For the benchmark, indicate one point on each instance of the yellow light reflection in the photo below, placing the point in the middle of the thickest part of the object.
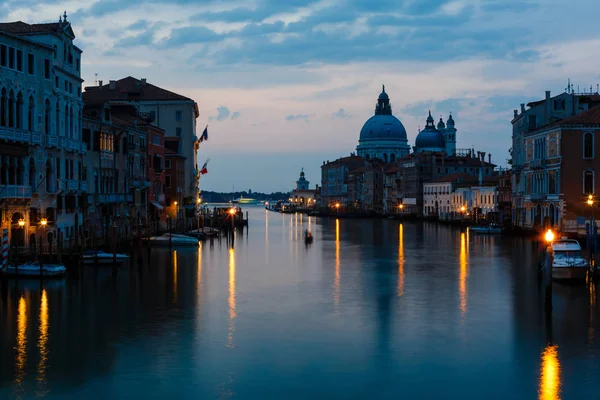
(199, 277)
(336, 282)
(592, 309)
(550, 374)
(175, 277)
(231, 299)
(462, 285)
(21, 358)
(400, 260)
(43, 339)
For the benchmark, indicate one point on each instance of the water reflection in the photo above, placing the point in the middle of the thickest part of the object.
(400, 290)
(550, 374)
(336, 282)
(174, 276)
(592, 308)
(43, 343)
(21, 359)
(231, 299)
(463, 273)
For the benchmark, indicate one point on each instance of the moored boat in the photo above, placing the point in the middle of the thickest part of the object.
(489, 229)
(100, 257)
(308, 237)
(173, 239)
(567, 261)
(32, 270)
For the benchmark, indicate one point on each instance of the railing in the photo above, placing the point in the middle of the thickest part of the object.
(63, 142)
(15, 135)
(537, 197)
(72, 184)
(51, 141)
(62, 185)
(83, 186)
(537, 164)
(73, 145)
(15, 192)
(114, 198)
(36, 138)
(83, 147)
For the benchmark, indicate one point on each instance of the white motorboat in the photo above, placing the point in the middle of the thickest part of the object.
(32, 270)
(100, 257)
(567, 261)
(173, 239)
(489, 229)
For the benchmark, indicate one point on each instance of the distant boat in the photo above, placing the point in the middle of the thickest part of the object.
(100, 257)
(567, 262)
(490, 229)
(247, 200)
(174, 240)
(32, 270)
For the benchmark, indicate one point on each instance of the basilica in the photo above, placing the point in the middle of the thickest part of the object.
(383, 136)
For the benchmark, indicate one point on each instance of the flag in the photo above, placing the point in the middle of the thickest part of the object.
(204, 135)
(204, 170)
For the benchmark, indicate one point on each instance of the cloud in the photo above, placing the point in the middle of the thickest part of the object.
(341, 113)
(191, 34)
(297, 117)
(138, 25)
(223, 113)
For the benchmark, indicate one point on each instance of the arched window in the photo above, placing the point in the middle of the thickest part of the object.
(47, 117)
(30, 114)
(3, 108)
(57, 119)
(71, 129)
(588, 182)
(385, 157)
(392, 157)
(11, 109)
(588, 145)
(66, 120)
(19, 113)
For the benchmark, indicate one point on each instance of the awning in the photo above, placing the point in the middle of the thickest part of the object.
(158, 206)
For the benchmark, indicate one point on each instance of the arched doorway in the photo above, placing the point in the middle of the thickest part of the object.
(17, 232)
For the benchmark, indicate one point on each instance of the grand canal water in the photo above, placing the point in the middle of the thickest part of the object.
(371, 309)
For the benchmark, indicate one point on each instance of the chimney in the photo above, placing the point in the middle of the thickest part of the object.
(516, 112)
(99, 83)
(547, 95)
(522, 107)
(143, 81)
(112, 85)
(490, 158)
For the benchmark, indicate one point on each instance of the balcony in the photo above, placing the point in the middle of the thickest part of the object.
(51, 141)
(83, 186)
(83, 147)
(114, 198)
(15, 192)
(537, 164)
(15, 135)
(535, 197)
(36, 138)
(73, 145)
(62, 185)
(63, 142)
(131, 145)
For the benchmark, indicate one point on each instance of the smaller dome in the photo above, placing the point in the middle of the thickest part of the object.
(441, 125)
(383, 96)
(430, 119)
(450, 121)
(430, 139)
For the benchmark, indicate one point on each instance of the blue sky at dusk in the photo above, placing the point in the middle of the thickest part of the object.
(288, 84)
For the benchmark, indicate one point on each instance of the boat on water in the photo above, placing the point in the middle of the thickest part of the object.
(173, 239)
(567, 261)
(32, 270)
(100, 257)
(308, 237)
(246, 200)
(489, 229)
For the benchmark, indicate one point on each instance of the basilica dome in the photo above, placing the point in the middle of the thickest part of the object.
(430, 139)
(383, 136)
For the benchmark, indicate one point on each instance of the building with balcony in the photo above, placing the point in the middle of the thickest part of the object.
(175, 114)
(174, 179)
(155, 175)
(333, 179)
(559, 173)
(533, 149)
(41, 152)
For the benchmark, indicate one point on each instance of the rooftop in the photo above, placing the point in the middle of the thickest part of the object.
(130, 88)
(22, 28)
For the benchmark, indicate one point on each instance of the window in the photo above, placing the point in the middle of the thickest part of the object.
(19, 61)
(178, 132)
(30, 64)
(77, 65)
(55, 51)
(11, 58)
(167, 164)
(168, 181)
(56, 83)
(588, 145)
(70, 87)
(142, 167)
(46, 68)
(588, 182)
(3, 60)
(178, 115)
(142, 141)
(532, 122)
(559, 104)
(66, 86)
(156, 140)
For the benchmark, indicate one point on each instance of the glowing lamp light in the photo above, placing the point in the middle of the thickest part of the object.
(232, 211)
(549, 236)
(199, 200)
(175, 203)
(463, 209)
(21, 222)
(401, 206)
(337, 205)
(44, 222)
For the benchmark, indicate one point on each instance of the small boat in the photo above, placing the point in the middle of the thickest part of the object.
(100, 257)
(173, 239)
(567, 262)
(308, 237)
(490, 229)
(32, 270)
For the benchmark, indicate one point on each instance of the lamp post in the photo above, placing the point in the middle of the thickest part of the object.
(176, 215)
(337, 207)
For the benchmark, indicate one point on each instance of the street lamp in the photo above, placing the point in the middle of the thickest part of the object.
(549, 236)
(21, 222)
(44, 222)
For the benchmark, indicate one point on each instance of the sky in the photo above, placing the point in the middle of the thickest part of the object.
(285, 85)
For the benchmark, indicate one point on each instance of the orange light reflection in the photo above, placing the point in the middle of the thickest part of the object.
(550, 374)
(463, 273)
(231, 299)
(336, 282)
(400, 260)
(21, 359)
